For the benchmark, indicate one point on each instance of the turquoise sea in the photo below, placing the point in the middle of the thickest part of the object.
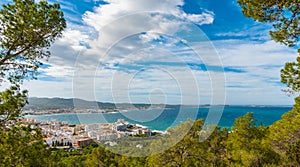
(157, 119)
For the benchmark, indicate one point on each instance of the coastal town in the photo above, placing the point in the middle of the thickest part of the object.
(66, 136)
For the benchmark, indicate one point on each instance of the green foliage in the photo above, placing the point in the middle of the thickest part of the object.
(284, 16)
(22, 145)
(290, 75)
(27, 30)
(247, 144)
(283, 135)
(286, 131)
(101, 157)
(12, 101)
(190, 151)
(293, 154)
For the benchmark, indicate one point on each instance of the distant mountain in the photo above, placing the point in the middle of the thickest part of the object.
(66, 105)
(60, 103)
(47, 103)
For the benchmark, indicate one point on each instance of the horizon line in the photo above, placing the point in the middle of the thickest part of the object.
(257, 105)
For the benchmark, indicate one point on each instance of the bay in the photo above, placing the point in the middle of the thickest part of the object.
(158, 119)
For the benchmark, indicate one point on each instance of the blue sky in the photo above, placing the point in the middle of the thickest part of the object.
(163, 51)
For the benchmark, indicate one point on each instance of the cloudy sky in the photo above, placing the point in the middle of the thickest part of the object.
(163, 51)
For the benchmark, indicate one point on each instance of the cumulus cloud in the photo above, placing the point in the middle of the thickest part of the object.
(116, 9)
(119, 20)
(130, 50)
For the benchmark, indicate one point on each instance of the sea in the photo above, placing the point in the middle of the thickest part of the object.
(161, 119)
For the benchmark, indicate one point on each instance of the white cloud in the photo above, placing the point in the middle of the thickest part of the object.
(204, 18)
(64, 72)
(249, 53)
(116, 9)
(255, 32)
(103, 66)
(38, 88)
(117, 21)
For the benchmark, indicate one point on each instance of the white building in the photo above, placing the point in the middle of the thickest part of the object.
(107, 136)
(92, 127)
(63, 140)
(119, 127)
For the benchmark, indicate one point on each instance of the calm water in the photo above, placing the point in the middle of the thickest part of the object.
(161, 120)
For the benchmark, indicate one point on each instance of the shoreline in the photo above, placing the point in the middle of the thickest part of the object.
(87, 111)
(69, 113)
(114, 111)
(84, 124)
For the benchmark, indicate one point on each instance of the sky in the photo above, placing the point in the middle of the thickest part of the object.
(163, 51)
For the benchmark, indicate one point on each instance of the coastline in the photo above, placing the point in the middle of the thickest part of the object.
(167, 118)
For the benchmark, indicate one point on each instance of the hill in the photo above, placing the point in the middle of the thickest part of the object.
(38, 104)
